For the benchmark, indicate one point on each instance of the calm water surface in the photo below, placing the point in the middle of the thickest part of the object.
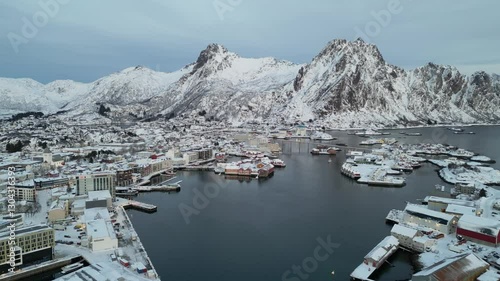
(258, 230)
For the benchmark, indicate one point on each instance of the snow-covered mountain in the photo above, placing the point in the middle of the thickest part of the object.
(349, 82)
(22, 95)
(346, 84)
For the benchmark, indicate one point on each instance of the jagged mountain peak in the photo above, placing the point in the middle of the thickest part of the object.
(343, 47)
(214, 55)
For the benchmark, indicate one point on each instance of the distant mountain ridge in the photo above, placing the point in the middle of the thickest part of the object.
(347, 84)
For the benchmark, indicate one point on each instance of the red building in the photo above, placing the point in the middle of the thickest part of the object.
(479, 230)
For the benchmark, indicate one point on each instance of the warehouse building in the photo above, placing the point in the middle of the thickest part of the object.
(419, 215)
(480, 230)
(465, 267)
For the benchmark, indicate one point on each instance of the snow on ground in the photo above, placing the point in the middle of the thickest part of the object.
(103, 257)
(133, 251)
(40, 217)
(484, 175)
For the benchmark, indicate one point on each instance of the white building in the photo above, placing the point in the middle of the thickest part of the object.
(96, 182)
(404, 235)
(190, 157)
(422, 243)
(52, 160)
(101, 235)
(421, 216)
(78, 207)
(100, 232)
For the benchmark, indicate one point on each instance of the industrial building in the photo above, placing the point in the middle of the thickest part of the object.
(419, 215)
(465, 267)
(439, 204)
(100, 232)
(99, 199)
(480, 230)
(32, 244)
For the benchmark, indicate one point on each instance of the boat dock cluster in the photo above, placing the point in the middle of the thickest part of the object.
(461, 227)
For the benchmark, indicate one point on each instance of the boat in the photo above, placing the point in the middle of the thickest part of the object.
(387, 181)
(349, 169)
(71, 267)
(219, 170)
(323, 151)
(402, 166)
(125, 191)
(278, 163)
(368, 133)
(321, 136)
(371, 142)
(411, 134)
(354, 153)
(456, 129)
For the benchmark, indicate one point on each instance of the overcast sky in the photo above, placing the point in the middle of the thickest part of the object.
(85, 40)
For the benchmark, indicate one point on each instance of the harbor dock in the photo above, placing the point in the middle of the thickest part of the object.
(151, 188)
(394, 216)
(149, 265)
(131, 204)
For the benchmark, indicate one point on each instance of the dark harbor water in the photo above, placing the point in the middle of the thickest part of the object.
(260, 229)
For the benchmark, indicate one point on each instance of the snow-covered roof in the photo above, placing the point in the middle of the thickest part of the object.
(417, 209)
(382, 248)
(99, 195)
(455, 268)
(100, 229)
(449, 201)
(482, 225)
(59, 204)
(96, 214)
(78, 204)
(463, 210)
(403, 231)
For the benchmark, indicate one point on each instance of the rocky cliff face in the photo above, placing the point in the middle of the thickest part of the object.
(346, 84)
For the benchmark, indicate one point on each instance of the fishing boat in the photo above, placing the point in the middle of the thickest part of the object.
(71, 267)
(125, 192)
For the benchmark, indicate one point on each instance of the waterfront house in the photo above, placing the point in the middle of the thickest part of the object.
(404, 235)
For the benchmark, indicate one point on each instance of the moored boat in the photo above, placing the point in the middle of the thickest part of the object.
(71, 267)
